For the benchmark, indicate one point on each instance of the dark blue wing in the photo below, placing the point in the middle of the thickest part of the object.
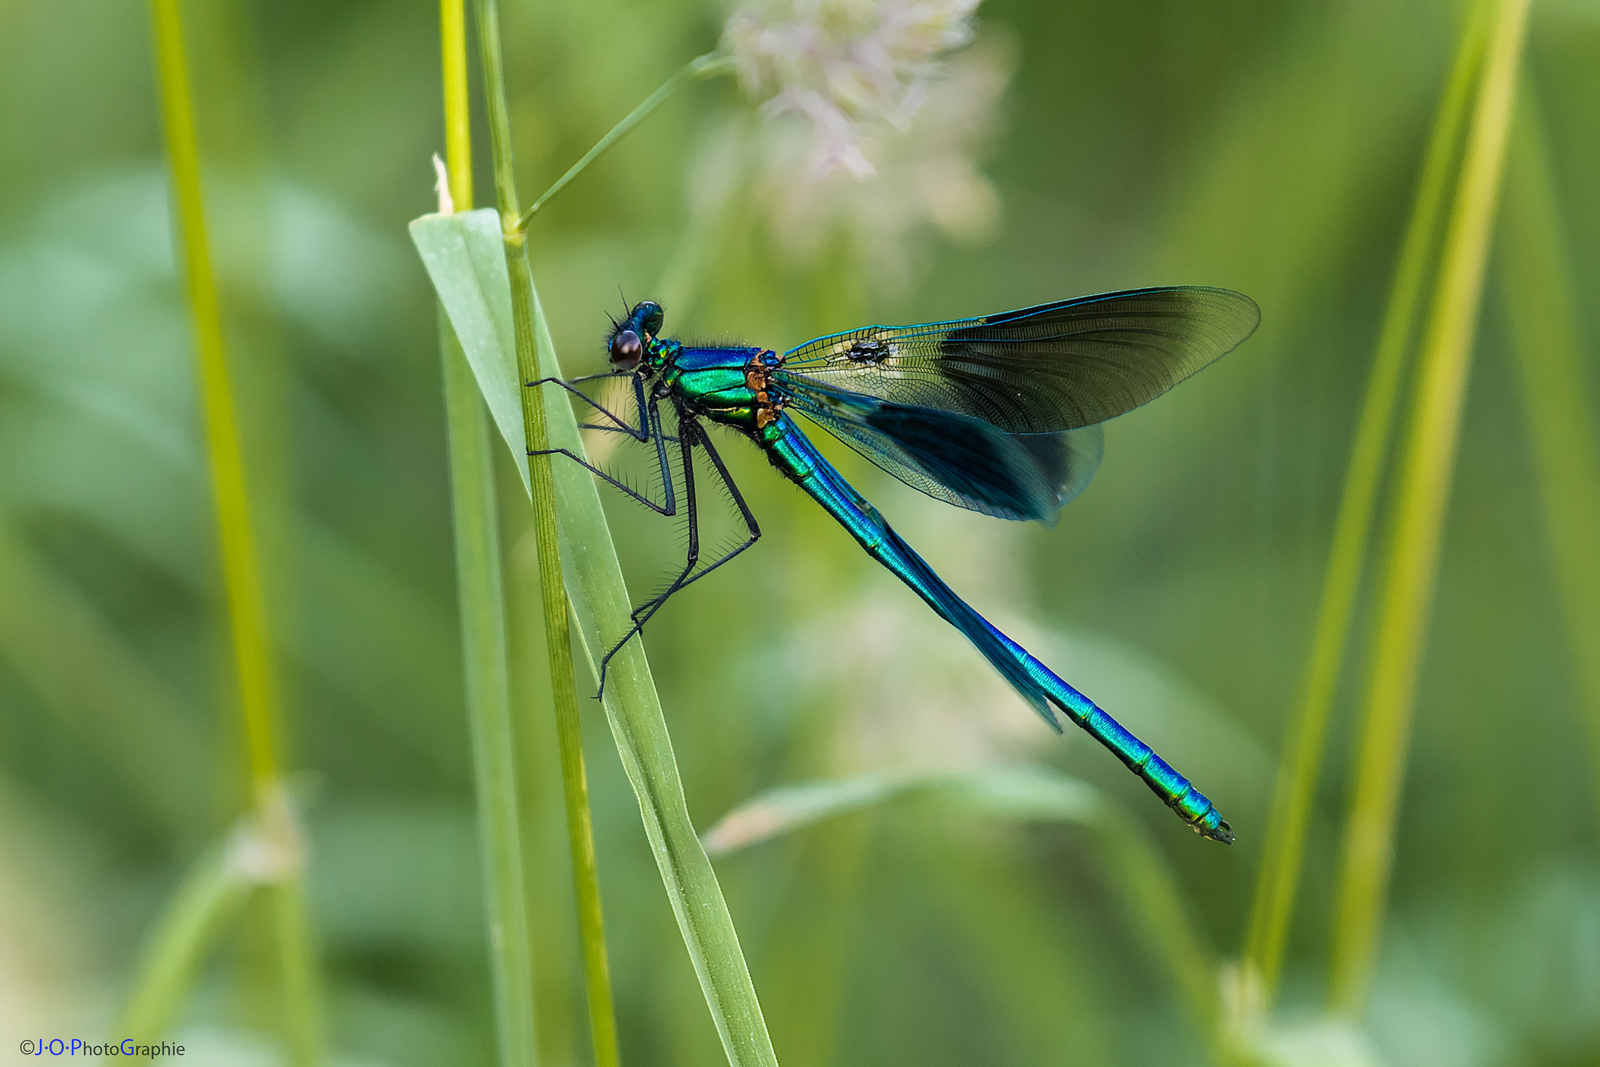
(1039, 370)
(956, 458)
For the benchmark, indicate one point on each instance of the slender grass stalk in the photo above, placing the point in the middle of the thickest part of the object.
(706, 66)
(1422, 495)
(1279, 876)
(553, 594)
(1537, 284)
(241, 574)
(457, 106)
(480, 594)
(231, 498)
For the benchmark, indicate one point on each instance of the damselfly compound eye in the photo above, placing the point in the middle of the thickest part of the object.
(626, 351)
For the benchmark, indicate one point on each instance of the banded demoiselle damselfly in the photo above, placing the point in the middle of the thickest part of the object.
(1001, 414)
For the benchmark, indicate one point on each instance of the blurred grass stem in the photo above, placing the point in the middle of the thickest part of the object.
(1422, 496)
(553, 594)
(1142, 884)
(483, 641)
(231, 498)
(1299, 770)
(706, 66)
(481, 598)
(1536, 281)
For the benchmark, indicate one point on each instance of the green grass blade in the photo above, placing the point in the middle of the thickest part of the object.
(787, 809)
(1139, 877)
(483, 647)
(601, 606)
(1422, 495)
(529, 321)
(231, 499)
(1304, 742)
(1537, 284)
(481, 596)
(552, 590)
(455, 250)
(464, 260)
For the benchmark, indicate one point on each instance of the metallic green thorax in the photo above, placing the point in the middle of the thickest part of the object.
(726, 385)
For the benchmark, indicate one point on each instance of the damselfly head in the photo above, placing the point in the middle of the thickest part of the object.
(628, 339)
(645, 319)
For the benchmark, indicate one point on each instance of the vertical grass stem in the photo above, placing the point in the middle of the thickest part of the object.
(480, 594)
(241, 574)
(1279, 876)
(558, 634)
(231, 499)
(1537, 284)
(1422, 496)
(211, 892)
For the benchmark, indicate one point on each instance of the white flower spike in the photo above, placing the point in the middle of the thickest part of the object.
(844, 65)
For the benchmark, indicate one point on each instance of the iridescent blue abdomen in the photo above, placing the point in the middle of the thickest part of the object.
(793, 453)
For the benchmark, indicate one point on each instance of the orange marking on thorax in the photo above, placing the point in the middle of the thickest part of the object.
(757, 378)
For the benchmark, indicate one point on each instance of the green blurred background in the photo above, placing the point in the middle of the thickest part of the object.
(1267, 147)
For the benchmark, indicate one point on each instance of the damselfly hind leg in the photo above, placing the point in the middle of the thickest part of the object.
(752, 528)
(691, 435)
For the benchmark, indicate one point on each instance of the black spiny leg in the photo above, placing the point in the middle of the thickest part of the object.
(753, 530)
(649, 427)
(641, 433)
(687, 432)
(668, 438)
(690, 433)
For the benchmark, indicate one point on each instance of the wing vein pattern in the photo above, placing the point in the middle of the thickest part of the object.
(1039, 370)
(1000, 414)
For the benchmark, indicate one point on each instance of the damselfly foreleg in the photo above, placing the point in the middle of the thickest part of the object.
(638, 433)
(650, 429)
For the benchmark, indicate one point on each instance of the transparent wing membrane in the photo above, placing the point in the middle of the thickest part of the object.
(1040, 370)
